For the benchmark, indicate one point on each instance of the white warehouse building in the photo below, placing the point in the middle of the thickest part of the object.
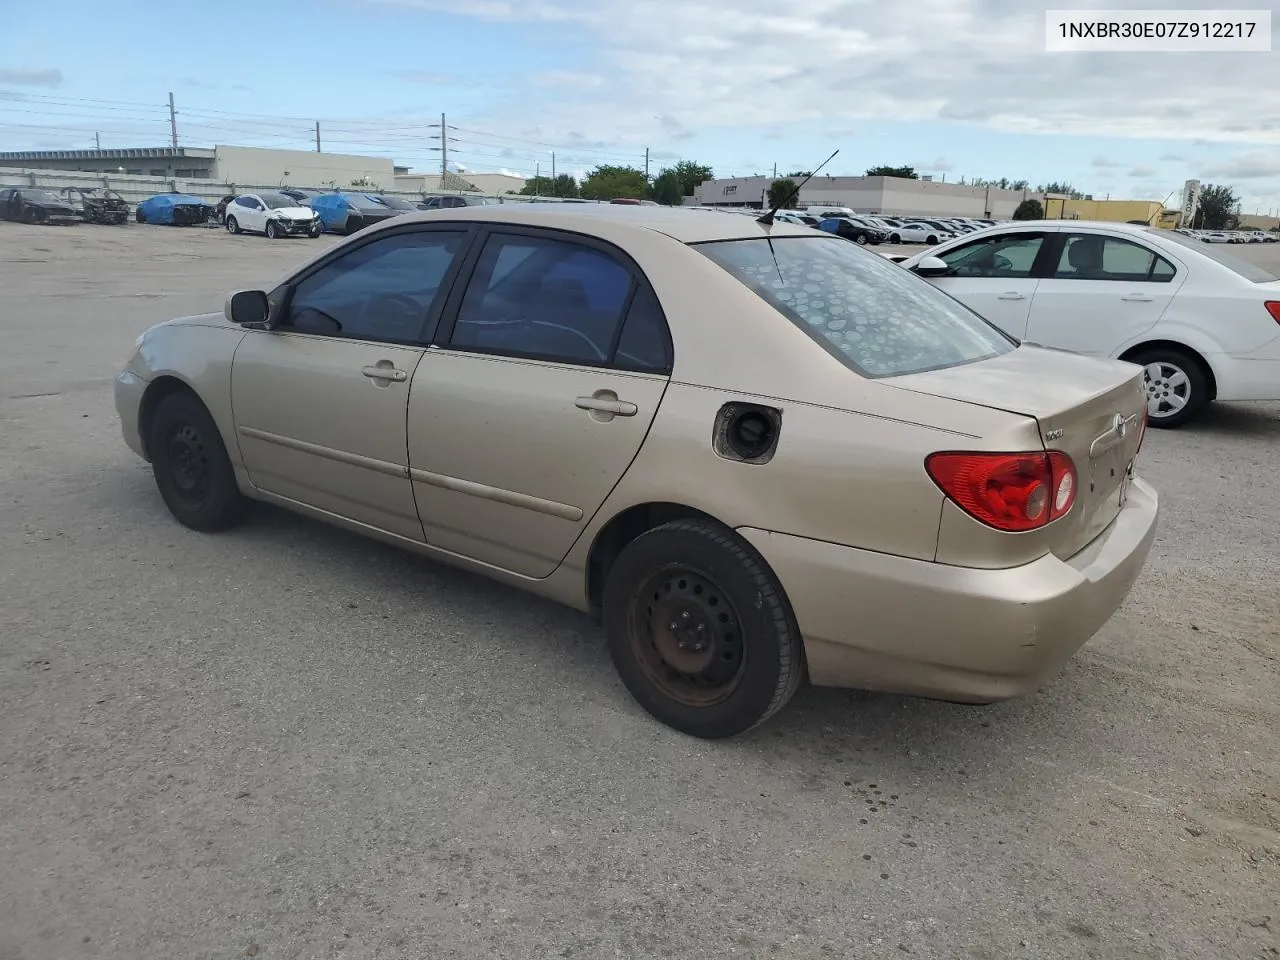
(227, 165)
(877, 195)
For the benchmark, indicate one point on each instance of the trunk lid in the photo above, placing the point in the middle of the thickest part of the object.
(1091, 409)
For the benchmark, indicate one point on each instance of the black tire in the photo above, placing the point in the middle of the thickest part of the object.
(860, 239)
(191, 466)
(744, 656)
(314, 233)
(353, 225)
(233, 225)
(1162, 367)
(140, 216)
(895, 238)
(931, 240)
(272, 231)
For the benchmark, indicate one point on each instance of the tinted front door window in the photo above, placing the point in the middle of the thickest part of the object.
(384, 290)
(1007, 255)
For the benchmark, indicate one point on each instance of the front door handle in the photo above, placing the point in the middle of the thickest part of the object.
(618, 408)
(384, 371)
(1137, 298)
(1011, 295)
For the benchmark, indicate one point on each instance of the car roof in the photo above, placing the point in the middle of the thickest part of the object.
(687, 226)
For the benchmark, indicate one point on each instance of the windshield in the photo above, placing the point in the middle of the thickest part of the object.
(40, 196)
(1250, 271)
(877, 318)
(275, 201)
(395, 203)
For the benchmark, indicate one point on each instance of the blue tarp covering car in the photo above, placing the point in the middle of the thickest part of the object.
(349, 212)
(176, 209)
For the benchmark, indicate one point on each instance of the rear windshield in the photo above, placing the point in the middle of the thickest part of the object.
(876, 317)
(1250, 271)
(362, 202)
(395, 203)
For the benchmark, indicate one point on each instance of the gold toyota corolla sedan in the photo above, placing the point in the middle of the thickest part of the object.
(754, 451)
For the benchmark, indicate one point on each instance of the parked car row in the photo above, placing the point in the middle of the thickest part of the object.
(1232, 236)
(305, 211)
(70, 205)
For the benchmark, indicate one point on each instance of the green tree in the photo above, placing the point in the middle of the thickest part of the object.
(667, 188)
(1029, 209)
(783, 194)
(1065, 189)
(1217, 210)
(562, 186)
(690, 174)
(906, 173)
(607, 182)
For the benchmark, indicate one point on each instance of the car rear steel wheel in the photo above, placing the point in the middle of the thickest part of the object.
(191, 466)
(699, 629)
(1177, 389)
(232, 225)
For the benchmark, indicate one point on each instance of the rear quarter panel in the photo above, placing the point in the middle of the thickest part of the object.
(844, 477)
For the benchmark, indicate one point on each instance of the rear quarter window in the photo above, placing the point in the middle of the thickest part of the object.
(874, 316)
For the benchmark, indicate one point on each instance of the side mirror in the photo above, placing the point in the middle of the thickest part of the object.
(247, 307)
(931, 267)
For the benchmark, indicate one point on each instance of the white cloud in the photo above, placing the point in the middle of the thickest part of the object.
(975, 62)
(1255, 165)
(41, 77)
(1142, 172)
(1104, 163)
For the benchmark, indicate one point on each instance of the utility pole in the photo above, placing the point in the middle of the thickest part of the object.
(444, 139)
(553, 165)
(646, 165)
(317, 136)
(97, 139)
(173, 123)
(775, 171)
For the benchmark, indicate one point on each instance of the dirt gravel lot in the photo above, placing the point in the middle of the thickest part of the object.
(288, 742)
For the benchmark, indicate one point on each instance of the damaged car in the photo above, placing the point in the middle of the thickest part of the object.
(174, 209)
(29, 205)
(104, 206)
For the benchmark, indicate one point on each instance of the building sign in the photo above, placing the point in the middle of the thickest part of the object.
(1190, 201)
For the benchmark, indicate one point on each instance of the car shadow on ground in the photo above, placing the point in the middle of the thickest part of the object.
(1237, 419)
(847, 720)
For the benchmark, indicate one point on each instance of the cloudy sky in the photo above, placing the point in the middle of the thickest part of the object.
(961, 88)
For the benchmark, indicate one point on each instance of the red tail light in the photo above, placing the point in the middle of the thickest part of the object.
(1273, 308)
(1008, 491)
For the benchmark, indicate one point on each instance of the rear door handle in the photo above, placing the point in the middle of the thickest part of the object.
(1011, 295)
(376, 372)
(619, 408)
(1137, 298)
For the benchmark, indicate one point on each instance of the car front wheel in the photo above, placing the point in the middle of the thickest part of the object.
(191, 466)
(860, 239)
(273, 231)
(1177, 388)
(700, 631)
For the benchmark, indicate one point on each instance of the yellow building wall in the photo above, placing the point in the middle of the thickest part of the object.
(1116, 211)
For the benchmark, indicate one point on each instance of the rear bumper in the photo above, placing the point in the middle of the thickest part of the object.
(1248, 378)
(881, 622)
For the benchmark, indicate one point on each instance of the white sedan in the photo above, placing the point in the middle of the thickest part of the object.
(273, 214)
(917, 233)
(1203, 323)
